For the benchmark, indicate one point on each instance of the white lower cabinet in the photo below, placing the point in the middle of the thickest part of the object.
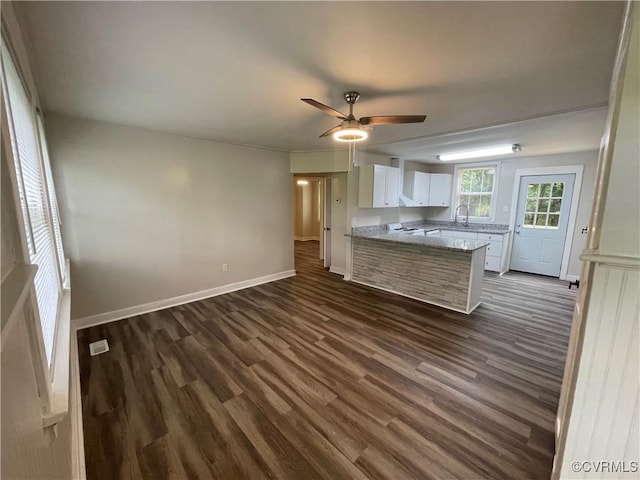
(496, 257)
(496, 253)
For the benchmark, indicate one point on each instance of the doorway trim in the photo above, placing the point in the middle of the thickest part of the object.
(578, 170)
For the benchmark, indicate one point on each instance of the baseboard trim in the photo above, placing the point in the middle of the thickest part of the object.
(86, 322)
(78, 467)
(306, 239)
(337, 270)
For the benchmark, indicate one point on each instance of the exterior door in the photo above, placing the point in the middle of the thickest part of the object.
(542, 218)
(326, 226)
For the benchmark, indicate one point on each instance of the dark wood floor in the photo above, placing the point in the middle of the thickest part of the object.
(314, 377)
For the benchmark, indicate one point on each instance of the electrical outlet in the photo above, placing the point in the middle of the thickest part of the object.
(225, 267)
(354, 222)
(505, 209)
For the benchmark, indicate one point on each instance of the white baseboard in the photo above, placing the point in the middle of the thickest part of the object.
(107, 317)
(337, 270)
(571, 278)
(78, 469)
(306, 239)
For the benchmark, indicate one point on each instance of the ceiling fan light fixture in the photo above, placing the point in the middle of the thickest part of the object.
(350, 135)
(482, 152)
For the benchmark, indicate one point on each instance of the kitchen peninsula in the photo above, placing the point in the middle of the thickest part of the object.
(420, 264)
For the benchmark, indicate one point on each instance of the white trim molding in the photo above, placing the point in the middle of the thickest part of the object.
(337, 270)
(622, 261)
(577, 170)
(307, 238)
(78, 468)
(107, 317)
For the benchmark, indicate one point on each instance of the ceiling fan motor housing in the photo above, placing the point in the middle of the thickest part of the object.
(351, 97)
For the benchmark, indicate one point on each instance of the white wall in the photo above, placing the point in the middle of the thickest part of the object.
(149, 216)
(319, 162)
(505, 190)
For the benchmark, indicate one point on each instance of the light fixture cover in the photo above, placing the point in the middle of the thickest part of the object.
(482, 152)
(302, 182)
(350, 135)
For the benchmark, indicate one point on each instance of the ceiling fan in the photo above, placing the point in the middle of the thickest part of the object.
(350, 130)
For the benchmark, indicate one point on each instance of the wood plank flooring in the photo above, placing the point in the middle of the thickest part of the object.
(313, 377)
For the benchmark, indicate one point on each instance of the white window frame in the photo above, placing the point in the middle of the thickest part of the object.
(457, 178)
(52, 376)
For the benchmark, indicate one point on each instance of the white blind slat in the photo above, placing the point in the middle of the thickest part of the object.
(33, 199)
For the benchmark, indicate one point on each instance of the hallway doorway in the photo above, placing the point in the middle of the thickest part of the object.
(312, 220)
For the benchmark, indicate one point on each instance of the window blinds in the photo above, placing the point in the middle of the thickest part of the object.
(33, 199)
(53, 202)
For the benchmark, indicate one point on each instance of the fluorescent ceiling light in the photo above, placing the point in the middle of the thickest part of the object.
(483, 152)
(302, 182)
(350, 135)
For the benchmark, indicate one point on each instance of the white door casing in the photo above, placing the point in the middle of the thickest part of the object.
(578, 170)
(542, 219)
(326, 224)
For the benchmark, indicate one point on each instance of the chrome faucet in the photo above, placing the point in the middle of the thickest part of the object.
(455, 215)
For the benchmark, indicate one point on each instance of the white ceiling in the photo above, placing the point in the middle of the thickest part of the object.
(235, 71)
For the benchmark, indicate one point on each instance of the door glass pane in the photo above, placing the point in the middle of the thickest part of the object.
(528, 219)
(543, 206)
(539, 202)
(558, 188)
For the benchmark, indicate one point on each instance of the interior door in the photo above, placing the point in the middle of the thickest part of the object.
(542, 217)
(326, 230)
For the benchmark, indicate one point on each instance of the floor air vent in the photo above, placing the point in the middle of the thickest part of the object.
(96, 348)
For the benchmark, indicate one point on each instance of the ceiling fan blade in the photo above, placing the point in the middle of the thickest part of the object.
(392, 119)
(324, 108)
(330, 131)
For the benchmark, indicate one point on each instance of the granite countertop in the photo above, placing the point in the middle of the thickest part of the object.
(458, 244)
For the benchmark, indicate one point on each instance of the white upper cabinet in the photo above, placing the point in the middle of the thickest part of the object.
(416, 187)
(378, 186)
(440, 189)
